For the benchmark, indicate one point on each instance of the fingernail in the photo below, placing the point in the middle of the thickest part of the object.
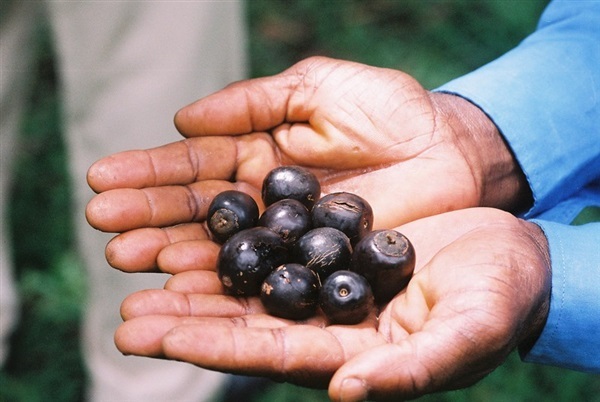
(353, 389)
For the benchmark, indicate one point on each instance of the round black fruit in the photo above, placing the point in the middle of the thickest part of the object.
(246, 259)
(293, 182)
(289, 218)
(346, 298)
(387, 259)
(230, 212)
(324, 250)
(347, 212)
(291, 291)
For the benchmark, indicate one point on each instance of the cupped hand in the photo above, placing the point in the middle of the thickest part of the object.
(481, 288)
(371, 131)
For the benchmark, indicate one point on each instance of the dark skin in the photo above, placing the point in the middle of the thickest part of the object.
(433, 166)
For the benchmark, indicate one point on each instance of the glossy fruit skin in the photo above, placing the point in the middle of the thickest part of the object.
(293, 182)
(246, 259)
(291, 291)
(347, 212)
(346, 298)
(387, 259)
(230, 212)
(324, 250)
(289, 218)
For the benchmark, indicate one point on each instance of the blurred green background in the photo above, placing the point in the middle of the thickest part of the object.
(433, 40)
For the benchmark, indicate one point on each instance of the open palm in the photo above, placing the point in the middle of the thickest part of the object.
(481, 287)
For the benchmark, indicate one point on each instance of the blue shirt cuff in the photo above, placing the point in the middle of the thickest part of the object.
(571, 337)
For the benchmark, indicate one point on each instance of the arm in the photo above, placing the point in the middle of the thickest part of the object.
(554, 133)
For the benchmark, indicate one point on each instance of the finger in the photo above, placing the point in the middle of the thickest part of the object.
(143, 335)
(168, 302)
(357, 379)
(246, 158)
(430, 351)
(307, 94)
(120, 210)
(303, 354)
(181, 162)
(190, 282)
(265, 103)
(242, 107)
(424, 362)
(138, 250)
(188, 255)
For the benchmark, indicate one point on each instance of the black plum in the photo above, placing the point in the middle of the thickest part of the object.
(246, 259)
(291, 182)
(387, 259)
(291, 291)
(230, 212)
(347, 212)
(346, 298)
(324, 250)
(289, 218)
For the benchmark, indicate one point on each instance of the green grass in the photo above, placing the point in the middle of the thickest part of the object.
(45, 361)
(433, 40)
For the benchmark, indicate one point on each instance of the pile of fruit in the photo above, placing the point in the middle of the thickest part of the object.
(305, 252)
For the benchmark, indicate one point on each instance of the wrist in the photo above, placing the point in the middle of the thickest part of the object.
(498, 177)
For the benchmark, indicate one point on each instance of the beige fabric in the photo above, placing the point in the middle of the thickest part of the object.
(125, 68)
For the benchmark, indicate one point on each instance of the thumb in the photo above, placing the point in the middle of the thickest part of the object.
(400, 371)
(248, 106)
(240, 108)
(387, 371)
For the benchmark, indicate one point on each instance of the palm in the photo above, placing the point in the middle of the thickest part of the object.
(374, 132)
(476, 283)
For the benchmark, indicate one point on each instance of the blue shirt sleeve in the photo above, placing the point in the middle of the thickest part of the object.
(571, 336)
(544, 97)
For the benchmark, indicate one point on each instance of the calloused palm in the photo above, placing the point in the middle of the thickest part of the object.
(371, 131)
(481, 288)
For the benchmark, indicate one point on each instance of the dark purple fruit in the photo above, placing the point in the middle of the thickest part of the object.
(293, 182)
(324, 250)
(230, 212)
(246, 259)
(291, 291)
(387, 259)
(347, 212)
(289, 218)
(346, 298)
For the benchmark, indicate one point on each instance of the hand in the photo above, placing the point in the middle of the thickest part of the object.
(481, 288)
(375, 132)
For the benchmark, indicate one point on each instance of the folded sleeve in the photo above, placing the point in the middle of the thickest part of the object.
(571, 336)
(544, 97)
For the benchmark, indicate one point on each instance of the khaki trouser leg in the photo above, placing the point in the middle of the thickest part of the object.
(126, 67)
